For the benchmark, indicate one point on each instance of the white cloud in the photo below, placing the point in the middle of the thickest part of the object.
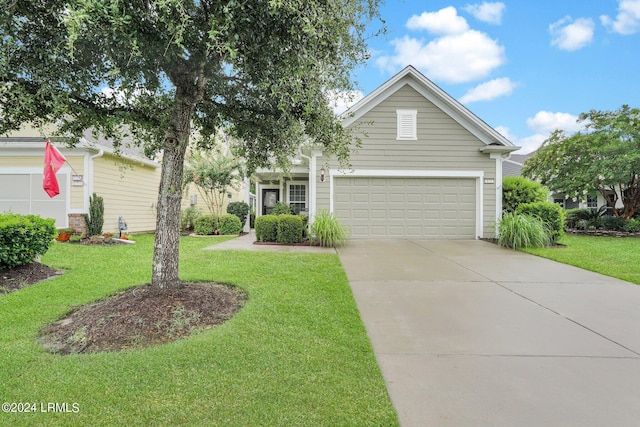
(341, 101)
(543, 123)
(489, 90)
(569, 35)
(487, 12)
(444, 21)
(458, 58)
(546, 122)
(628, 19)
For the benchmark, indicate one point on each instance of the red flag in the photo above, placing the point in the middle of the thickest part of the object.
(53, 161)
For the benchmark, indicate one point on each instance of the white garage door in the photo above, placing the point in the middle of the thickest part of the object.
(423, 208)
(23, 194)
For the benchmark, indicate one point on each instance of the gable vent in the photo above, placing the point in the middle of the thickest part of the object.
(407, 124)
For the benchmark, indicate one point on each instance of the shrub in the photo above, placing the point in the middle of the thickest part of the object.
(282, 209)
(327, 230)
(632, 225)
(188, 218)
(517, 190)
(95, 219)
(523, 231)
(239, 209)
(305, 226)
(267, 228)
(289, 229)
(613, 223)
(230, 224)
(550, 213)
(252, 220)
(23, 238)
(585, 218)
(206, 224)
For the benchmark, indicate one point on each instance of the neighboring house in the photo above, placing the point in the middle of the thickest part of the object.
(127, 182)
(427, 168)
(513, 167)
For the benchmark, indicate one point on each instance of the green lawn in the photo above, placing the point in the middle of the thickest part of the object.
(297, 353)
(612, 256)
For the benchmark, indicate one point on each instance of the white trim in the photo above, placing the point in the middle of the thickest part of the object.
(395, 173)
(500, 158)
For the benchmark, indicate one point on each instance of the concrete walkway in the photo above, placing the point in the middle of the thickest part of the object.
(470, 334)
(245, 243)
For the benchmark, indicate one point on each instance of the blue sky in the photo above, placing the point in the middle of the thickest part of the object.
(524, 67)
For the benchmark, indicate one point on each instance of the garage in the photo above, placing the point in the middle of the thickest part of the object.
(22, 193)
(399, 207)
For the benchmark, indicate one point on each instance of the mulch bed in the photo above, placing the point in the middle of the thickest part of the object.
(12, 279)
(141, 317)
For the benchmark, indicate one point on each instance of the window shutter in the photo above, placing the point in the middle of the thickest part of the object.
(407, 124)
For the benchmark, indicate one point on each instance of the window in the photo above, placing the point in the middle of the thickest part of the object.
(298, 197)
(407, 124)
(592, 201)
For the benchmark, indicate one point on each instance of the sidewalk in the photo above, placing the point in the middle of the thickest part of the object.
(245, 243)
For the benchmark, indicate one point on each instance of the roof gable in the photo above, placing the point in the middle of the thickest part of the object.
(413, 78)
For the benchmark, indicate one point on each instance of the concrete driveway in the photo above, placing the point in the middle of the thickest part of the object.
(470, 334)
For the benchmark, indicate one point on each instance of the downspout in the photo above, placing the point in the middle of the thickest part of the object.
(499, 157)
(312, 185)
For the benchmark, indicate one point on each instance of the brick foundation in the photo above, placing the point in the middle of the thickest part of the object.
(76, 221)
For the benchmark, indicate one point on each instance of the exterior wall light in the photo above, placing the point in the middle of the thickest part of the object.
(322, 174)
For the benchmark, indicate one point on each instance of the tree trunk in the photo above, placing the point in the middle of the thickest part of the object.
(166, 248)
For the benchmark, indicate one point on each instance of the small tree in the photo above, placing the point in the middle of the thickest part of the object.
(213, 175)
(95, 219)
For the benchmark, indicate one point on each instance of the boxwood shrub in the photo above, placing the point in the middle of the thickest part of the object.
(206, 224)
(266, 228)
(23, 238)
(289, 228)
(550, 213)
(230, 224)
(517, 190)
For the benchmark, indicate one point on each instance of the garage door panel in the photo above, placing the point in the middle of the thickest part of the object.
(442, 208)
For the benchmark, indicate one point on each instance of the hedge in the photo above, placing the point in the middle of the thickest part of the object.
(289, 228)
(229, 224)
(551, 214)
(23, 238)
(266, 228)
(517, 190)
(206, 224)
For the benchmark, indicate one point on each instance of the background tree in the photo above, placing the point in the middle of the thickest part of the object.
(156, 70)
(214, 175)
(605, 158)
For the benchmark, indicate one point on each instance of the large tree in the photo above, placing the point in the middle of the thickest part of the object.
(159, 70)
(604, 158)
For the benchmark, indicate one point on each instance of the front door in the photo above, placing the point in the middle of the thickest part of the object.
(269, 199)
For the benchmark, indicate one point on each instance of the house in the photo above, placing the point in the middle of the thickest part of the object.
(428, 168)
(126, 180)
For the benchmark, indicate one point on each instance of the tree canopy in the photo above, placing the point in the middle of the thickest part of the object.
(603, 158)
(160, 70)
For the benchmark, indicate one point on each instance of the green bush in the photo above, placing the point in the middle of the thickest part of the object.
(95, 219)
(550, 213)
(23, 238)
(188, 218)
(632, 225)
(613, 223)
(289, 229)
(282, 209)
(239, 209)
(585, 217)
(252, 220)
(230, 224)
(327, 230)
(206, 225)
(517, 190)
(267, 228)
(523, 231)
(305, 226)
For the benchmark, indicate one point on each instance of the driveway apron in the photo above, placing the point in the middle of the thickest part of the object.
(470, 334)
